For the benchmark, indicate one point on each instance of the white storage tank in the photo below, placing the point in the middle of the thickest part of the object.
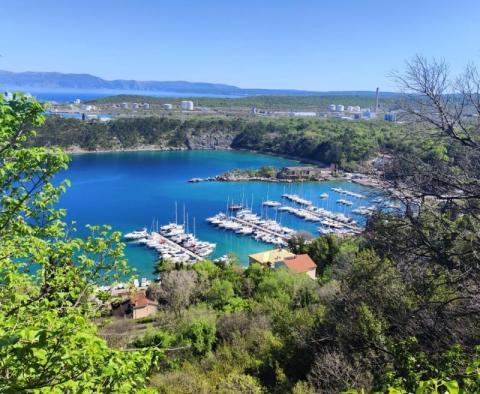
(187, 105)
(167, 106)
(340, 108)
(332, 107)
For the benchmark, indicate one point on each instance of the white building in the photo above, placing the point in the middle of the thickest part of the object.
(89, 107)
(187, 105)
(356, 108)
(307, 114)
(167, 106)
(332, 107)
(124, 105)
(350, 108)
(146, 106)
(340, 108)
(77, 101)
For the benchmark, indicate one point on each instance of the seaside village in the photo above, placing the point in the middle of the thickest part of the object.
(176, 243)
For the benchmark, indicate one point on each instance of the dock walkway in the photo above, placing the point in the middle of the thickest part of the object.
(256, 226)
(157, 236)
(352, 227)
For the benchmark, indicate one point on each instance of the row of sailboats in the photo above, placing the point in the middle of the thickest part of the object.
(173, 241)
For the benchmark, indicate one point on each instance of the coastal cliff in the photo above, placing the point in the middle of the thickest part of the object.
(216, 140)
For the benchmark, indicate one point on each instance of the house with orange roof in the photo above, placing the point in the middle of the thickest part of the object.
(136, 306)
(300, 263)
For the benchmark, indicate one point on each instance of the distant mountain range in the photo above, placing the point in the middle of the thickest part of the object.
(55, 80)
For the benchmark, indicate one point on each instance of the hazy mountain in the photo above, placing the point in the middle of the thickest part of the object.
(55, 80)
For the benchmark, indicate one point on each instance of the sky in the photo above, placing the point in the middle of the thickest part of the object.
(287, 44)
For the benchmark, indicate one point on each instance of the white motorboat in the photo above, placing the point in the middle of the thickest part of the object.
(136, 234)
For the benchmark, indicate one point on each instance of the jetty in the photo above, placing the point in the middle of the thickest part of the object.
(247, 223)
(297, 199)
(326, 218)
(160, 237)
(257, 227)
(173, 243)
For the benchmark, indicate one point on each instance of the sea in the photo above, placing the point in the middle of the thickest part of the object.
(135, 190)
(69, 95)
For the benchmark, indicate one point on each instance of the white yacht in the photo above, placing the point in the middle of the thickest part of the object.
(271, 203)
(136, 234)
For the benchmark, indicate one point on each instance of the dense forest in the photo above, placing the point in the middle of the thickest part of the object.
(341, 142)
(393, 310)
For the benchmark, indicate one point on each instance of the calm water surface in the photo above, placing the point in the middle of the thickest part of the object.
(130, 190)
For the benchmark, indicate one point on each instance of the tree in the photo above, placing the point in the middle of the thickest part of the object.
(48, 342)
(201, 334)
(221, 292)
(177, 289)
(239, 384)
(298, 243)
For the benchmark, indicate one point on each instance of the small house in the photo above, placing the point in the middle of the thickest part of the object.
(135, 306)
(302, 172)
(299, 264)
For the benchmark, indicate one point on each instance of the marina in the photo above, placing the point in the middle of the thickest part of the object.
(330, 221)
(127, 189)
(297, 199)
(173, 243)
(245, 222)
(347, 192)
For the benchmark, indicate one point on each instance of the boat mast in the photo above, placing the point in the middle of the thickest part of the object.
(176, 212)
(184, 216)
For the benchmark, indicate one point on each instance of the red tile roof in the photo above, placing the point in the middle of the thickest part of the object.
(300, 263)
(140, 300)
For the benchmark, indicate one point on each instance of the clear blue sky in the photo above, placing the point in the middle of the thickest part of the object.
(299, 44)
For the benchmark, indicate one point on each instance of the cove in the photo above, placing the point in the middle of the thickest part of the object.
(128, 190)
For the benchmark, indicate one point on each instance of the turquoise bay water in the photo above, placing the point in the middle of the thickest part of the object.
(130, 189)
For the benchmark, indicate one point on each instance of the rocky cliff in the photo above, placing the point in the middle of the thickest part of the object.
(214, 140)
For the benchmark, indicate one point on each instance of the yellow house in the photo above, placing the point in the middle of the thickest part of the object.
(270, 257)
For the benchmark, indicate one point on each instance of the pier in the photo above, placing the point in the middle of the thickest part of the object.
(160, 237)
(320, 216)
(257, 227)
(247, 223)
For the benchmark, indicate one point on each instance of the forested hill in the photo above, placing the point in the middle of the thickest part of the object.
(329, 141)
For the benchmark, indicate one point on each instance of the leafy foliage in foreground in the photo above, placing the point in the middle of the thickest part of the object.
(48, 342)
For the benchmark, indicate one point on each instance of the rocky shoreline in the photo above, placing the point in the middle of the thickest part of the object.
(145, 148)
